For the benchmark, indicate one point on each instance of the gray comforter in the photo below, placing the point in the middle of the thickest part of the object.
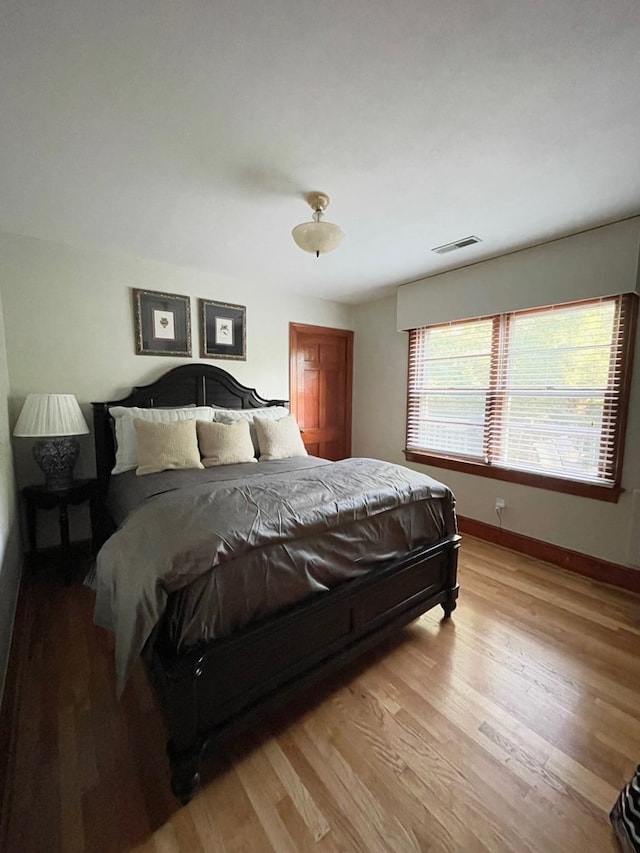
(215, 552)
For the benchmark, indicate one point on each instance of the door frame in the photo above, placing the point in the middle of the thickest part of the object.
(301, 328)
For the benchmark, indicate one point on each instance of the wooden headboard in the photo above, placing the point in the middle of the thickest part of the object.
(199, 384)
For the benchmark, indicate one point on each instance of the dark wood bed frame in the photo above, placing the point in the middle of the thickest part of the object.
(207, 692)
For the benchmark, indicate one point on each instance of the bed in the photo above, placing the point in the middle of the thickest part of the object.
(356, 568)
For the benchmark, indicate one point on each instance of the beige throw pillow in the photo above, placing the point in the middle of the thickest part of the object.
(225, 444)
(126, 442)
(165, 446)
(279, 439)
(230, 416)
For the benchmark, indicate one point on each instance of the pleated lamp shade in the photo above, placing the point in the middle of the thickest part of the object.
(50, 415)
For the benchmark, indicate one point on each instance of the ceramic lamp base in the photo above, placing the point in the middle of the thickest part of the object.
(57, 457)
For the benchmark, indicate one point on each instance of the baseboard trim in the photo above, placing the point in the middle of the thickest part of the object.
(573, 561)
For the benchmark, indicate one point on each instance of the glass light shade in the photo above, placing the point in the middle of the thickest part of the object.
(50, 415)
(318, 237)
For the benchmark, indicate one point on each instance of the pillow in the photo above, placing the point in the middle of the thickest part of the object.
(165, 446)
(225, 444)
(279, 439)
(229, 416)
(123, 416)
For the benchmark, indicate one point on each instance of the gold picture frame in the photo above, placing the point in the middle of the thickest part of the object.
(223, 330)
(162, 323)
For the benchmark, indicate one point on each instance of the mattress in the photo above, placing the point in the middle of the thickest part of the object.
(211, 551)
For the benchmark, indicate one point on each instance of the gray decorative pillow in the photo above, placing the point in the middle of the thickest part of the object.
(225, 444)
(279, 439)
(166, 446)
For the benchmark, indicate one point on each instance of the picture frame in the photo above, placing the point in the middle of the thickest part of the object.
(223, 330)
(162, 323)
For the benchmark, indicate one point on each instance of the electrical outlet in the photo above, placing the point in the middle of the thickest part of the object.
(500, 504)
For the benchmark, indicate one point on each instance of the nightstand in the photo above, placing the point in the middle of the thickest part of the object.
(39, 497)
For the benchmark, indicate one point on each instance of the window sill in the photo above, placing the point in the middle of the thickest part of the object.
(539, 481)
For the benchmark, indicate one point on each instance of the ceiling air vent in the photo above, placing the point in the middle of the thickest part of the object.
(459, 244)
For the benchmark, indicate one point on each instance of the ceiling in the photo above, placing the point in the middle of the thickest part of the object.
(189, 131)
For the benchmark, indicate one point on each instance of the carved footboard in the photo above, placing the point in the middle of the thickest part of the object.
(208, 692)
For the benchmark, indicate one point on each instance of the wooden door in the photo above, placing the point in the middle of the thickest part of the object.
(320, 379)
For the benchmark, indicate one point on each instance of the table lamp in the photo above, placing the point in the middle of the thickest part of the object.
(55, 419)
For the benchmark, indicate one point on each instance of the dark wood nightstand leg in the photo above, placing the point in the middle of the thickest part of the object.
(31, 527)
(64, 541)
(64, 529)
(93, 516)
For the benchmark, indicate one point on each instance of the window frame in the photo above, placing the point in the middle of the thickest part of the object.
(580, 488)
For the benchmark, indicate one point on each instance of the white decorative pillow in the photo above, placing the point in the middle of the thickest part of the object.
(166, 446)
(123, 416)
(229, 416)
(279, 439)
(225, 444)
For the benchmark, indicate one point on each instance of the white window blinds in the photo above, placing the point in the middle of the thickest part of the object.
(536, 391)
(449, 383)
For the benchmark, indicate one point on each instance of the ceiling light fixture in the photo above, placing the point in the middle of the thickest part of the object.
(317, 236)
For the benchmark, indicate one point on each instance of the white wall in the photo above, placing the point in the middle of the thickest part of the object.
(604, 530)
(599, 262)
(69, 328)
(10, 554)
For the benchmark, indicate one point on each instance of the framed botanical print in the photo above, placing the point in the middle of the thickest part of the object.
(222, 330)
(162, 323)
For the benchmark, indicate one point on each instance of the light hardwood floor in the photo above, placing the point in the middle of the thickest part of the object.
(510, 728)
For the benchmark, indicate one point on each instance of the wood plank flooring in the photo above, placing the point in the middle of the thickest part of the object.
(510, 728)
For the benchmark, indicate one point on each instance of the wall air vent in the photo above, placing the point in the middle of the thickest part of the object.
(459, 244)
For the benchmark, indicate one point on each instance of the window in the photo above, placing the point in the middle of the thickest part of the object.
(538, 397)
